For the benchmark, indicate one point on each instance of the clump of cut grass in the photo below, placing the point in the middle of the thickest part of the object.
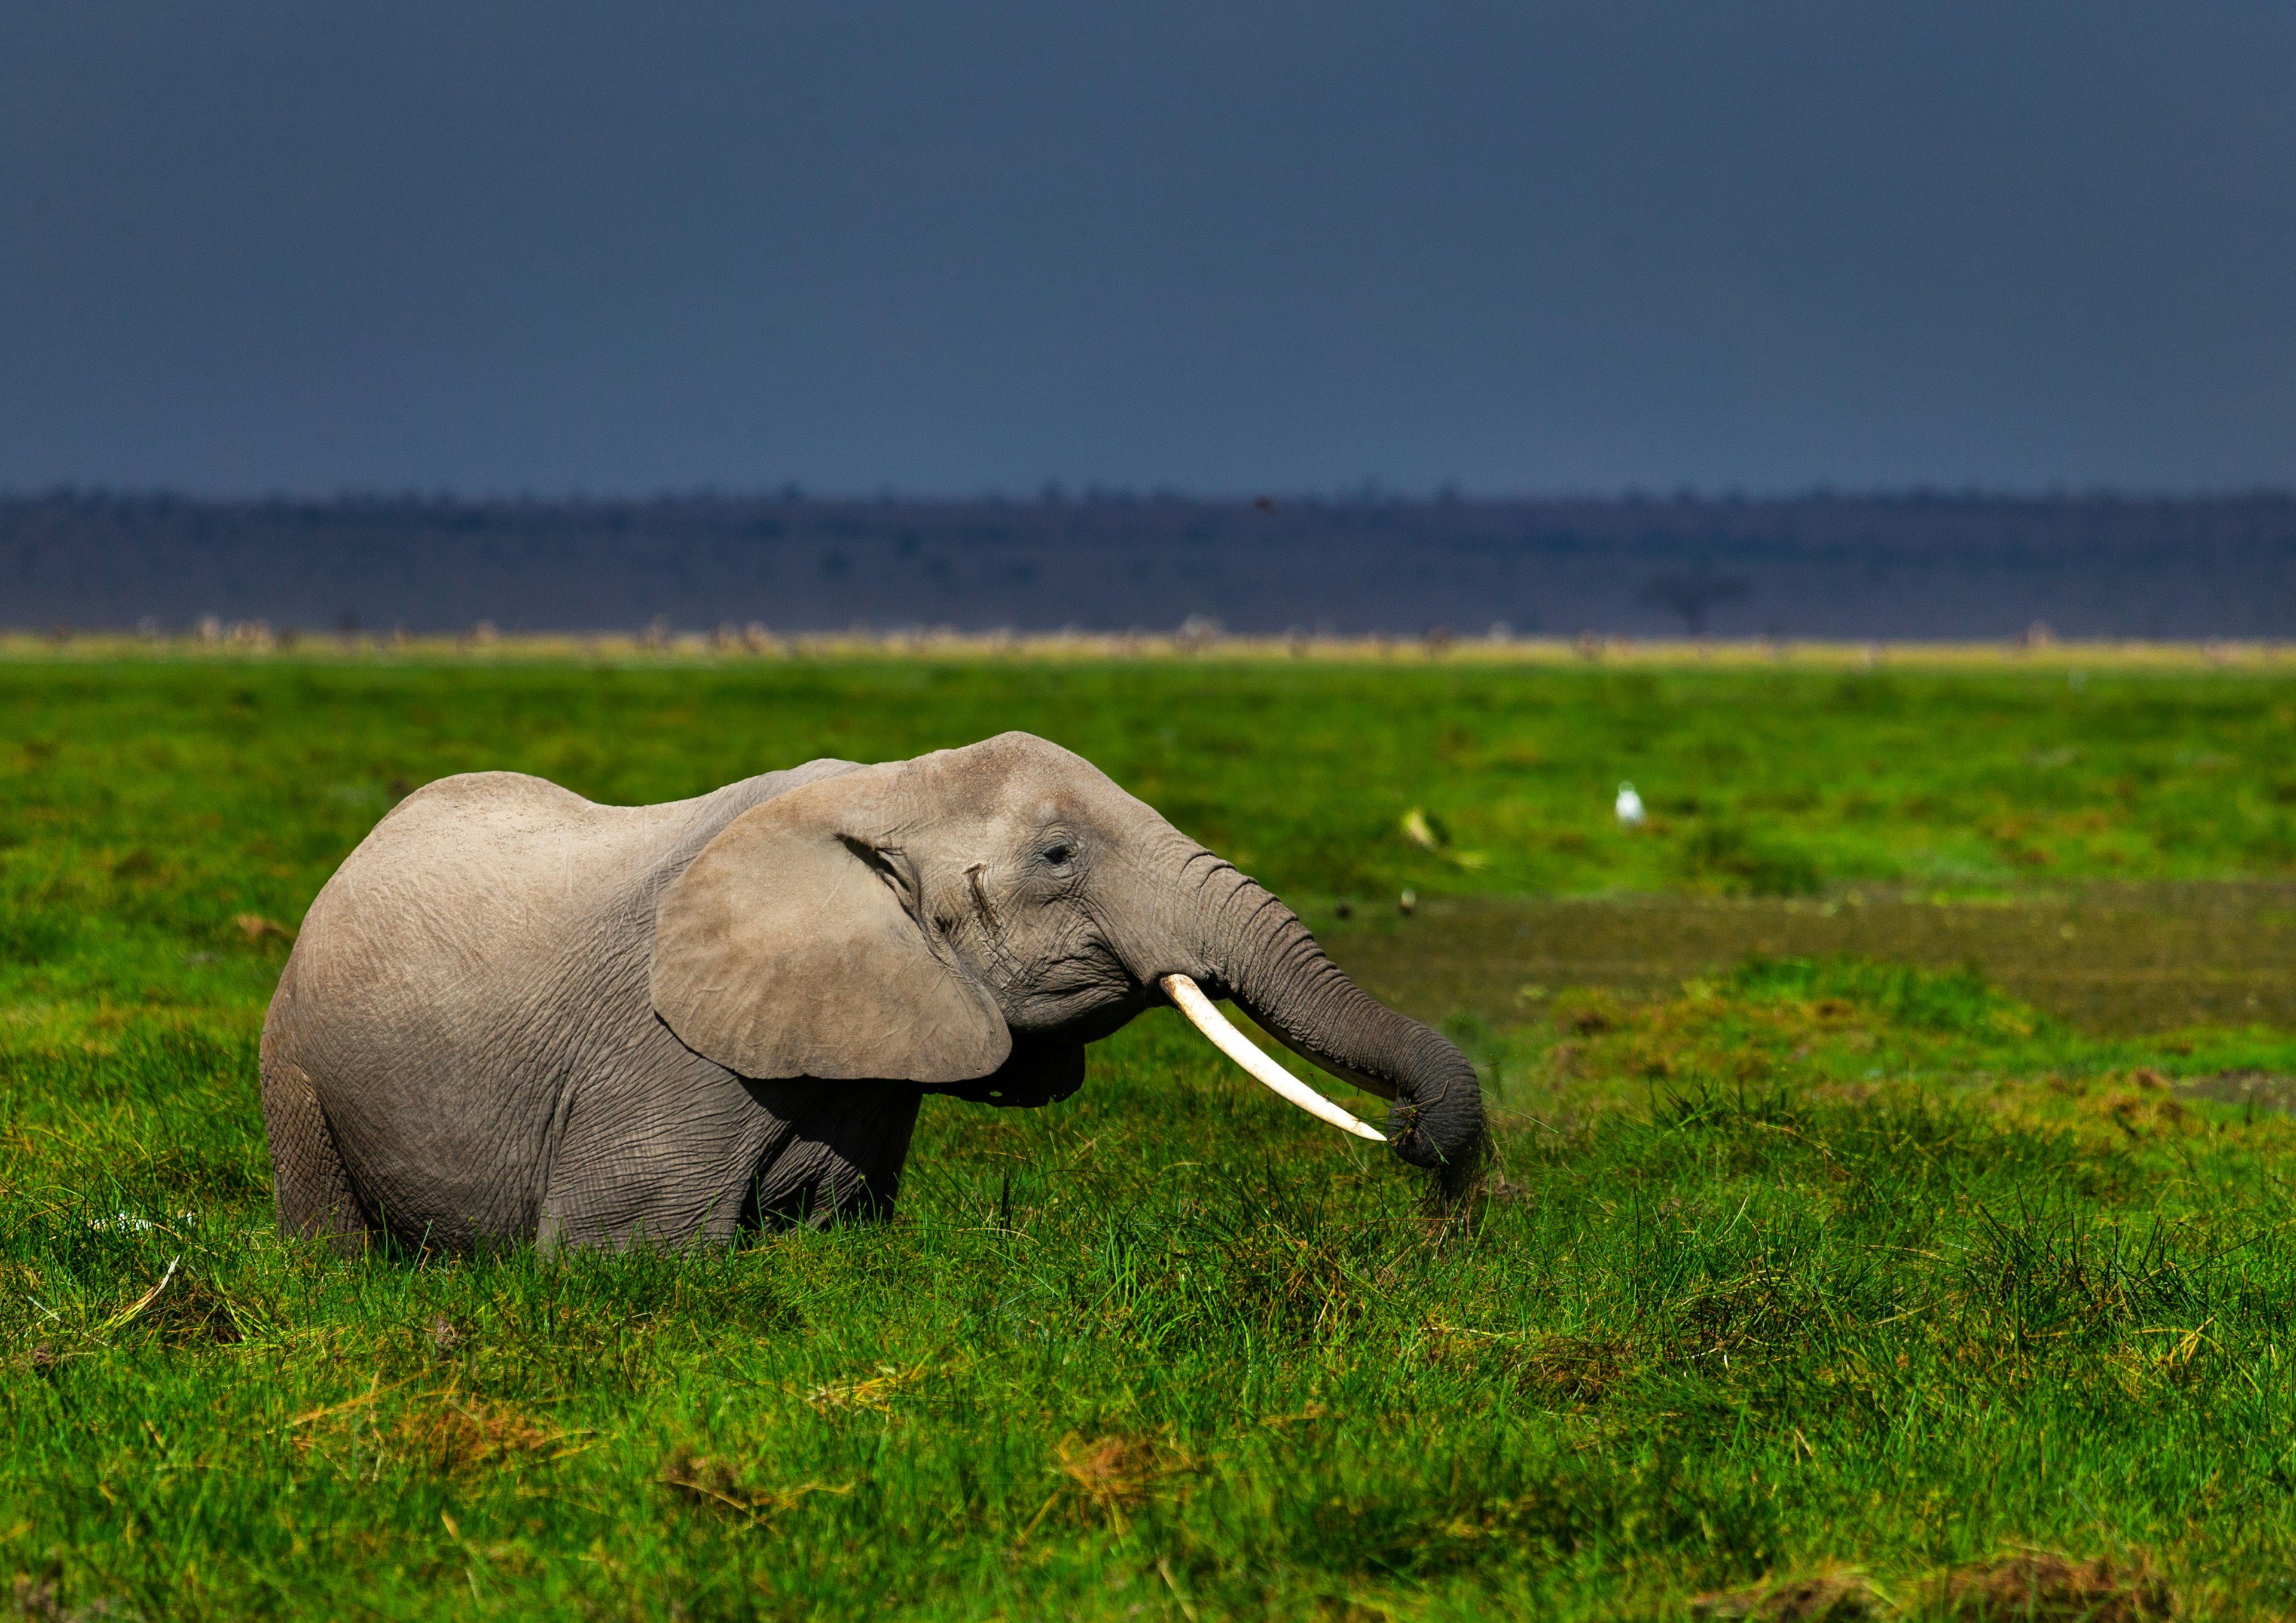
(448, 1435)
(719, 1485)
(1840, 1597)
(1112, 1477)
(2044, 1587)
(1555, 1367)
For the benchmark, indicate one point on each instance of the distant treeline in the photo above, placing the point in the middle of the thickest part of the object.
(1887, 567)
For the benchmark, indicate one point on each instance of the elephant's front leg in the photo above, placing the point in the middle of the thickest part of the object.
(839, 1156)
(665, 1157)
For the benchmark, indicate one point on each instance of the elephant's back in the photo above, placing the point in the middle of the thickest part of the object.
(484, 863)
(465, 877)
(480, 889)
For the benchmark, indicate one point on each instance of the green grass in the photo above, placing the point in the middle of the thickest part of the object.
(1811, 1266)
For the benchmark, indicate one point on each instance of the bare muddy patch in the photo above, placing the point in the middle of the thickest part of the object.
(2254, 1090)
(2120, 959)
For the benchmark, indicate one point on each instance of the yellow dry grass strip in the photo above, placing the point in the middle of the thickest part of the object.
(875, 1391)
(374, 1391)
(755, 645)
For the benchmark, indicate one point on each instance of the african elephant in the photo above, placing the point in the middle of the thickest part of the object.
(515, 1014)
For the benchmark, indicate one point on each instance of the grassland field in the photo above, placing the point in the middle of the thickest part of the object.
(1831, 1288)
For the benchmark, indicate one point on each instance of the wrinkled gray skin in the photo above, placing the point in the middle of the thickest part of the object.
(513, 1015)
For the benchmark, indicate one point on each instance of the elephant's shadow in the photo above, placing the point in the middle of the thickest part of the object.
(843, 1145)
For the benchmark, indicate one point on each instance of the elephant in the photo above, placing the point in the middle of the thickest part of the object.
(514, 1015)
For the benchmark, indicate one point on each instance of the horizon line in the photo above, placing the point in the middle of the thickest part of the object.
(1055, 493)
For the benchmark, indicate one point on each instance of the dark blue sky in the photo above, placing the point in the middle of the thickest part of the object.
(1224, 247)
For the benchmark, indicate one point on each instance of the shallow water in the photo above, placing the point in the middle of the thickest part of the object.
(2118, 959)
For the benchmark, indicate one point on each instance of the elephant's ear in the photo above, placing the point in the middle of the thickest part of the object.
(792, 947)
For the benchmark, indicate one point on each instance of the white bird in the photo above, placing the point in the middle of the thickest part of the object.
(1631, 808)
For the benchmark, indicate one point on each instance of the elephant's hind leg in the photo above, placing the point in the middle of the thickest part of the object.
(307, 1176)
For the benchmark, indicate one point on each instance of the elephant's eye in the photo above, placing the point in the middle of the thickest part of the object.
(1057, 855)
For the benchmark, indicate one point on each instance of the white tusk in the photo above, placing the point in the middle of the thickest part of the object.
(1190, 1001)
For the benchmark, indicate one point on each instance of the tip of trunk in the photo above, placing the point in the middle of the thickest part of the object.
(1459, 1174)
(1438, 1120)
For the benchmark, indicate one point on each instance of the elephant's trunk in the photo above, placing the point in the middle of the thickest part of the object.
(1258, 953)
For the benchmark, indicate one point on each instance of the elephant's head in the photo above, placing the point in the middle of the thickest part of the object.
(971, 919)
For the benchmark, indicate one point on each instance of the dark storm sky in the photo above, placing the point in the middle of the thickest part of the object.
(1223, 246)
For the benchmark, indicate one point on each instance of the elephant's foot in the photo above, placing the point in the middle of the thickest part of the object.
(839, 1157)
